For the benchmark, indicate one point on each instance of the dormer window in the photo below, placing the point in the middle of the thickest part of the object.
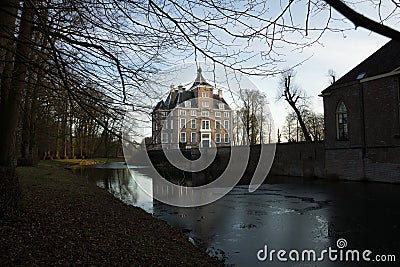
(341, 122)
(204, 94)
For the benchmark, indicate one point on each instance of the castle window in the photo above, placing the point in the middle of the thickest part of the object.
(183, 137)
(226, 125)
(205, 104)
(183, 123)
(341, 122)
(218, 125)
(217, 138)
(205, 124)
(205, 113)
(227, 139)
(164, 138)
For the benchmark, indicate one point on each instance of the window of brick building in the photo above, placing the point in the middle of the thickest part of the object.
(194, 137)
(183, 123)
(217, 124)
(183, 137)
(205, 125)
(217, 138)
(341, 122)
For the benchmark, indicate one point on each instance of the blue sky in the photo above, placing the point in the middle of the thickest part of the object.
(336, 52)
(340, 51)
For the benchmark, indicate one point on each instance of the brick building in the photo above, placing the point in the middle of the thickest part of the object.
(362, 119)
(192, 118)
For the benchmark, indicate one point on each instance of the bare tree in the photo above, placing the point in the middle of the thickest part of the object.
(296, 99)
(315, 124)
(254, 118)
(290, 129)
(332, 75)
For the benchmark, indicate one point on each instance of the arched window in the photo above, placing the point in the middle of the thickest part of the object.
(341, 122)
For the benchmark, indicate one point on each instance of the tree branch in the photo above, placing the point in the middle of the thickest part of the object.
(362, 21)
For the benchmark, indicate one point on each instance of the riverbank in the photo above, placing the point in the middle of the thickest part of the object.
(65, 221)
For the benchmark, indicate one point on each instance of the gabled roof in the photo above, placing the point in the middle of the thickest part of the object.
(385, 60)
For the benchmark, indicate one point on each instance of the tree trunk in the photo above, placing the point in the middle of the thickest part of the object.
(11, 109)
(8, 13)
(303, 126)
(11, 96)
(71, 137)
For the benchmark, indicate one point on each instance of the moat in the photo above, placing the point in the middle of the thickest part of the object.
(285, 213)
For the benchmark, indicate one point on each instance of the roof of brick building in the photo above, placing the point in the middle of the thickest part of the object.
(385, 60)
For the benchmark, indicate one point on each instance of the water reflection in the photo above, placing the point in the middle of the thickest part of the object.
(123, 184)
(286, 214)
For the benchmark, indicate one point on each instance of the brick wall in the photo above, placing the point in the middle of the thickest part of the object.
(382, 164)
(372, 152)
(344, 164)
(381, 109)
(299, 159)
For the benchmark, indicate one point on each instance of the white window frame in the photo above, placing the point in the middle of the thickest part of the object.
(193, 123)
(164, 138)
(194, 140)
(182, 137)
(204, 94)
(218, 122)
(217, 138)
(205, 123)
(205, 104)
(217, 114)
(221, 106)
(226, 114)
(226, 125)
(188, 104)
(194, 112)
(182, 112)
(227, 140)
(183, 123)
(205, 114)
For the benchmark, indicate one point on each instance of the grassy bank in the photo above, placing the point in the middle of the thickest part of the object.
(67, 222)
(85, 162)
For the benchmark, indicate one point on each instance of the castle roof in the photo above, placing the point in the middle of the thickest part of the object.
(175, 98)
(200, 80)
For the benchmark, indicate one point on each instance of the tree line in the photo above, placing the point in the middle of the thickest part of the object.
(70, 68)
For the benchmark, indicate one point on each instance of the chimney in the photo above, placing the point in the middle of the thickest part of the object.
(180, 89)
(219, 93)
(172, 88)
